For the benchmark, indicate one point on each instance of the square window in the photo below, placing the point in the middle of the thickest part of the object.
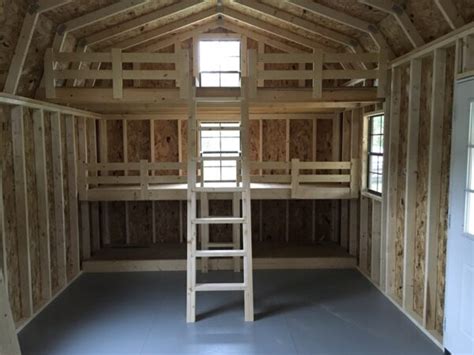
(219, 63)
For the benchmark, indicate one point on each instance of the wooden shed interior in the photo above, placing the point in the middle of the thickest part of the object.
(333, 126)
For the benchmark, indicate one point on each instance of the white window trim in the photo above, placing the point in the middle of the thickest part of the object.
(215, 37)
(365, 152)
(467, 190)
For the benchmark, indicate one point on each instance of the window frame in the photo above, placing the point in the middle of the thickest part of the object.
(469, 190)
(367, 153)
(221, 153)
(217, 37)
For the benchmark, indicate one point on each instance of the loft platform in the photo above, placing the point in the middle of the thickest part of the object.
(266, 256)
(144, 181)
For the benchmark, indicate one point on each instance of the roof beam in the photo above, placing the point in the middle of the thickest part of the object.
(450, 13)
(401, 16)
(274, 30)
(90, 18)
(345, 19)
(163, 30)
(139, 21)
(24, 41)
(299, 22)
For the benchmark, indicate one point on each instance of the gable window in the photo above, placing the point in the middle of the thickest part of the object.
(220, 141)
(375, 154)
(469, 218)
(219, 63)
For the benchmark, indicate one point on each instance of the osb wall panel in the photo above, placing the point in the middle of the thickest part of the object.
(167, 221)
(140, 218)
(53, 236)
(324, 140)
(273, 220)
(422, 183)
(220, 232)
(323, 219)
(274, 141)
(11, 240)
(254, 139)
(33, 223)
(300, 219)
(443, 212)
(117, 227)
(166, 147)
(369, 233)
(301, 139)
(115, 141)
(401, 182)
(138, 140)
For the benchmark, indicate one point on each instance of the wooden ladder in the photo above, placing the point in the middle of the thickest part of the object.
(205, 220)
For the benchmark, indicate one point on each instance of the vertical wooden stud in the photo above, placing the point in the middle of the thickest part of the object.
(117, 73)
(318, 60)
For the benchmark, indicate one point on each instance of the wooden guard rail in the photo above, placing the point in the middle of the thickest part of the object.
(117, 74)
(340, 177)
(317, 73)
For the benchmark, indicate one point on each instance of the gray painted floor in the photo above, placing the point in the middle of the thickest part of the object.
(297, 312)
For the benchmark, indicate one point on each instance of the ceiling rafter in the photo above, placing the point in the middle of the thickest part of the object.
(347, 20)
(274, 30)
(401, 16)
(139, 21)
(163, 30)
(296, 21)
(450, 13)
(24, 40)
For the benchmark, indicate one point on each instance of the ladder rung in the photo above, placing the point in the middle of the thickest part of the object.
(219, 253)
(220, 287)
(218, 189)
(218, 220)
(220, 245)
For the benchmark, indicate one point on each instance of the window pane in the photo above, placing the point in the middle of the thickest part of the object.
(230, 64)
(229, 173)
(376, 144)
(230, 79)
(376, 164)
(375, 182)
(231, 144)
(469, 227)
(209, 80)
(212, 174)
(377, 125)
(210, 144)
(230, 48)
(471, 139)
(470, 184)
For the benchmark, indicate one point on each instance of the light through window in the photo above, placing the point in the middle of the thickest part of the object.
(220, 140)
(469, 218)
(219, 63)
(375, 154)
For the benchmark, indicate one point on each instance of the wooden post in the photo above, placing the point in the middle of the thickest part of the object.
(184, 69)
(252, 71)
(318, 60)
(244, 57)
(83, 187)
(411, 183)
(50, 82)
(104, 207)
(295, 172)
(43, 204)
(21, 210)
(94, 206)
(236, 229)
(336, 156)
(392, 189)
(59, 197)
(72, 193)
(382, 74)
(117, 73)
(434, 188)
(204, 205)
(355, 182)
(261, 65)
(376, 230)
(364, 231)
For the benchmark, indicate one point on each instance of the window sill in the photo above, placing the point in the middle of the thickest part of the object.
(370, 195)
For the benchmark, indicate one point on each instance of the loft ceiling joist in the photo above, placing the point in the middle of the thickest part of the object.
(450, 13)
(347, 20)
(301, 23)
(163, 30)
(401, 16)
(24, 40)
(137, 22)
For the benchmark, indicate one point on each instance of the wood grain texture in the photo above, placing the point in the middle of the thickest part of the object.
(166, 143)
(273, 143)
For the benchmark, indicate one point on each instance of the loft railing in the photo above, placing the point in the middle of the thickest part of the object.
(305, 179)
(318, 71)
(117, 74)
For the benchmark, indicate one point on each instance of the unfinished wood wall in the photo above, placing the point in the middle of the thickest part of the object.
(145, 223)
(406, 256)
(39, 216)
